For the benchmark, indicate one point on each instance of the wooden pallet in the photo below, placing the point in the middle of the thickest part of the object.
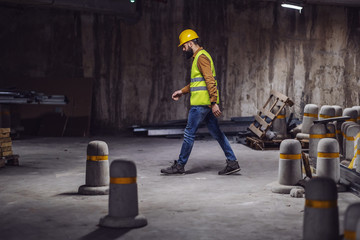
(266, 115)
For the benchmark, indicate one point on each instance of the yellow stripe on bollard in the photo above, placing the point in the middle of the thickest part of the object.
(280, 116)
(310, 115)
(349, 138)
(325, 116)
(328, 155)
(125, 180)
(320, 204)
(330, 135)
(338, 131)
(290, 156)
(317, 135)
(97, 158)
(351, 120)
(349, 235)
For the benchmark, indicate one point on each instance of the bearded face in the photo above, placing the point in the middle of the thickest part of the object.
(187, 51)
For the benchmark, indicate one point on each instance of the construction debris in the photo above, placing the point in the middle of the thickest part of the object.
(30, 97)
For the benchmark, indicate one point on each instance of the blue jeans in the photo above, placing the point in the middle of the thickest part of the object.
(197, 114)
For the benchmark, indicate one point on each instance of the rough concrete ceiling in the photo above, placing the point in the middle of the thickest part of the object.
(347, 3)
(85, 3)
(335, 2)
(124, 8)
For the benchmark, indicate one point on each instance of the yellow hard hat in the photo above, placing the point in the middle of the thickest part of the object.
(187, 35)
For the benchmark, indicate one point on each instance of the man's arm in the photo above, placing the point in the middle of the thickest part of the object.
(177, 94)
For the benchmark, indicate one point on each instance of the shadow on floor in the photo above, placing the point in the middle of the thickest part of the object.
(105, 234)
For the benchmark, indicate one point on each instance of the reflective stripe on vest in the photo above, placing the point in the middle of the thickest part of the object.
(199, 93)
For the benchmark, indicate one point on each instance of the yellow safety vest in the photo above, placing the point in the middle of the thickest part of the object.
(199, 93)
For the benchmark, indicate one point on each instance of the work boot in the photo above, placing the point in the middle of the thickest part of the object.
(173, 169)
(230, 168)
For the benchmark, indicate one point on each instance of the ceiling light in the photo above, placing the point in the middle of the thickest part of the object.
(293, 5)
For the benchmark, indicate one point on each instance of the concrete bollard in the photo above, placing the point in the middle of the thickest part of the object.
(331, 130)
(326, 111)
(321, 215)
(351, 218)
(350, 133)
(310, 115)
(317, 132)
(344, 127)
(352, 113)
(290, 172)
(123, 198)
(279, 124)
(358, 110)
(97, 169)
(328, 159)
(338, 110)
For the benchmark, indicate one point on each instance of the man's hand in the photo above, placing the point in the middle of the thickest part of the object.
(176, 95)
(216, 110)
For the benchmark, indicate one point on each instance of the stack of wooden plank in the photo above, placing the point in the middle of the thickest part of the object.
(6, 153)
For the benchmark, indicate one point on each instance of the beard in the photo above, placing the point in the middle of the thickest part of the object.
(188, 53)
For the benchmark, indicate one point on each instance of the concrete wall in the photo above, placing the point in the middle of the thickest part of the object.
(312, 57)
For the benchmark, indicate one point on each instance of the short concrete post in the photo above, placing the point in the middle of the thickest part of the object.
(97, 169)
(321, 215)
(331, 130)
(344, 127)
(326, 111)
(123, 198)
(310, 115)
(351, 218)
(290, 172)
(317, 132)
(350, 133)
(328, 159)
(338, 110)
(279, 124)
(358, 110)
(352, 113)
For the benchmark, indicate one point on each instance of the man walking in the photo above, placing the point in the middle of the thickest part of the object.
(204, 100)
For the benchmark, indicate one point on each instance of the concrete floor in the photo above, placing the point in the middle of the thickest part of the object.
(39, 198)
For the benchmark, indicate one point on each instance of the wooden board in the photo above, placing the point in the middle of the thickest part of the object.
(260, 144)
